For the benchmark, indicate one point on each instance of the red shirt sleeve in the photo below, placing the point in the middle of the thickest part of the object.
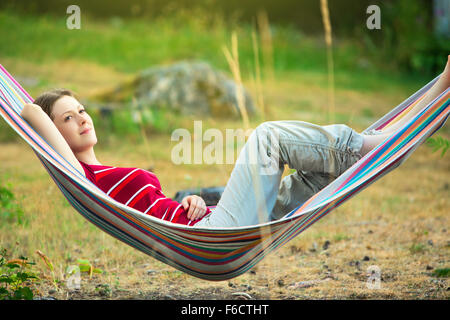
(139, 189)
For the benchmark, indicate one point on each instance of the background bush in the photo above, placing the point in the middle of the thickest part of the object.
(406, 40)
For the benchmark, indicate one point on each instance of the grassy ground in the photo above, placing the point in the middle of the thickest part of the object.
(399, 224)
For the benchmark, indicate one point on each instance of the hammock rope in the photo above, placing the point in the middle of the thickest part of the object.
(222, 253)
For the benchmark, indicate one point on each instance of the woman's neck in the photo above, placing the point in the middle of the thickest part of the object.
(88, 157)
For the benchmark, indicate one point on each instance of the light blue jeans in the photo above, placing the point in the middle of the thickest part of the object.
(255, 192)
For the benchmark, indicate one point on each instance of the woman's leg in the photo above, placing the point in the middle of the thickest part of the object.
(251, 192)
(371, 142)
(253, 185)
(319, 155)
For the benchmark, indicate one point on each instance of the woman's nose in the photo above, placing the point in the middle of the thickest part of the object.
(82, 120)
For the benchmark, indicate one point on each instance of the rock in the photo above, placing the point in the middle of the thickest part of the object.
(314, 247)
(187, 87)
(306, 284)
(429, 267)
(246, 287)
(295, 249)
(366, 258)
(45, 298)
(326, 245)
(242, 295)
(430, 242)
(103, 290)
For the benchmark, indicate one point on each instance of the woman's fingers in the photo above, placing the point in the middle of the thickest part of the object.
(185, 203)
(192, 206)
(201, 208)
(195, 213)
(195, 206)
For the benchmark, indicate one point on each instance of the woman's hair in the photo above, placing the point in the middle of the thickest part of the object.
(47, 99)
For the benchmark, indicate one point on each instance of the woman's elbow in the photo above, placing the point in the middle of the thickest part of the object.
(28, 109)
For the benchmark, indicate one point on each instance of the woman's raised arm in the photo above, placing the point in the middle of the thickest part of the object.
(41, 122)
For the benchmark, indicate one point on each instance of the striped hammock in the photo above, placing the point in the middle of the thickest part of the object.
(222, 253)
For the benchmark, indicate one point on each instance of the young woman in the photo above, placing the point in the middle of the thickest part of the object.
(254, 193)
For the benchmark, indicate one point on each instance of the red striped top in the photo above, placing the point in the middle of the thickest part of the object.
(139, 189)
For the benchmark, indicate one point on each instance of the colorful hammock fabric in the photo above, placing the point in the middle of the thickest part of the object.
(220, 254)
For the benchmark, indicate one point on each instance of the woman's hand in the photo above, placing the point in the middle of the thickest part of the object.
(196, 205)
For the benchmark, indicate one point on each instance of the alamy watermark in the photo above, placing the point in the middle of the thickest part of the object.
(374, 20)
(74, 20)
(214, 146)
(374, 279)
(73, 282)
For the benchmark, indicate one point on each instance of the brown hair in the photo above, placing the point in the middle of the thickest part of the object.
(47, 99)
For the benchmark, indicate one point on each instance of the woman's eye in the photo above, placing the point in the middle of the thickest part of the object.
(68, 117)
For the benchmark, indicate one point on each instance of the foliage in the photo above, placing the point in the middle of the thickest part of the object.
(406, 40)
(7, 134)
(16, 280)
(87, 267)
(417, 248)
(439, 143)
(444, 272)
(10, 210)
(132, 122)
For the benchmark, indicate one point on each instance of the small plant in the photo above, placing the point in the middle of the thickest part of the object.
(439, 143)
(86, 266)
(10, 210)
(444, 272)
(15, 278)
(340, 236)
(417, 248)
(104, 290)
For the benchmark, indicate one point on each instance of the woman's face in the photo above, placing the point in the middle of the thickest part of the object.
(74, 123)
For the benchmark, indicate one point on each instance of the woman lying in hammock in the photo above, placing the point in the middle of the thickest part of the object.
(253, 194)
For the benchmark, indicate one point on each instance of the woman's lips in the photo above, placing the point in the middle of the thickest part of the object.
(86, 131)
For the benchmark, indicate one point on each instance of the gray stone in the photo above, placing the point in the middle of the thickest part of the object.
(190, 88)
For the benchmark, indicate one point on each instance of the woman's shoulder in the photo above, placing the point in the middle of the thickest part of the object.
(95, 169)
(103, 176)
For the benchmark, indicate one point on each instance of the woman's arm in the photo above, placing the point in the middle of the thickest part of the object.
(41, 122)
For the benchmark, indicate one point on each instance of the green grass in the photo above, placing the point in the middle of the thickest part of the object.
(129, 46)
(444, 272)
(132, 45)
(417, 248)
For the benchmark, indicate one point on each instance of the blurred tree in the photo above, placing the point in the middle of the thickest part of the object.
(441, 15)
(406, 40)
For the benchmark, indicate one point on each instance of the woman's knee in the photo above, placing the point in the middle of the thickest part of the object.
(268, 127)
